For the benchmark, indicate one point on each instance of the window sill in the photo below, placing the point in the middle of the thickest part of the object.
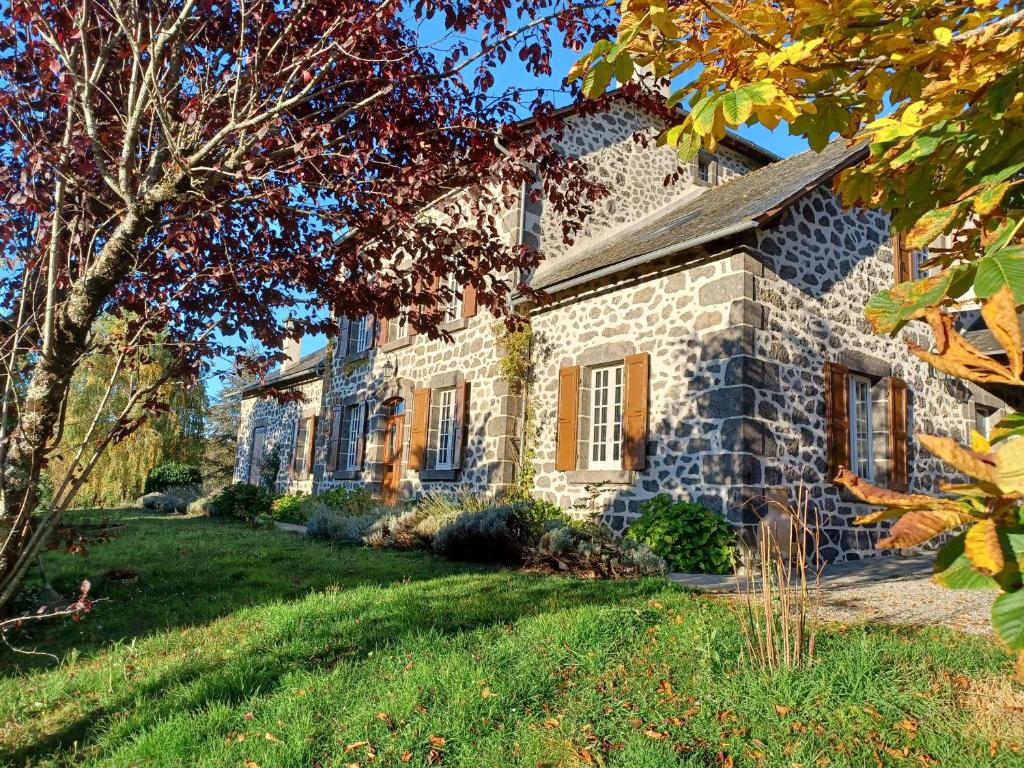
(397, 344)
(428, 475)
(346, 474)
(455, 325)
(356, 358)
(607, 476)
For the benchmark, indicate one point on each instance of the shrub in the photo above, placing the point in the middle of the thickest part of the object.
(497, 535)
(591, 551)
(326, 523)
(538, 516)
(170, 474)
(270, 467)
(242, 501)
(397, 531)
(689, 536)
(292, 508)
(347, 501)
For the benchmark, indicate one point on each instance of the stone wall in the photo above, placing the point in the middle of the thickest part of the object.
(634, 172)
(683, 316)
(280, 420)
(396, 370)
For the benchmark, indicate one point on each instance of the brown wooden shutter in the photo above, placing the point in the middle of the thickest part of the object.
(902, 259)
(420, 423)
(634, 412)
(311, 444)
(382, 330)
(899, 416)
(837, 417)
(468, 301)
(361, 434)
(333, 441)
(461, 417)
(293, 472)
(343, 337)
(568, 418)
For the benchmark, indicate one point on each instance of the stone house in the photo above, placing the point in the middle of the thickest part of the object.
(703, 338)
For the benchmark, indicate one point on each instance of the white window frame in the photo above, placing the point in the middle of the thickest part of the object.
(860, 459)
(301, 447)
(607, 394)
(446, 430)
(358, 331)
(350, 429)
(453, 310)
(398, 327)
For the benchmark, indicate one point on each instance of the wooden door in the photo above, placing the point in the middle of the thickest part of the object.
(394, 432)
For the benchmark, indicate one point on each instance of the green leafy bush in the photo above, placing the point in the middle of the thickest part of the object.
(689, 536)
(591, 551)
(170, 474)
(293, 508)
(242, 501)
(347, 501)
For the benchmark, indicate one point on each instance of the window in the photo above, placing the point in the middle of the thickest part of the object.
(606, 413)
(861, 440)
(704, 169)
(984, 420)
(259, 440)
(444, 418)
(358, 335)
(398, 327)
(350, 434)
(303, 440)
(453, 310)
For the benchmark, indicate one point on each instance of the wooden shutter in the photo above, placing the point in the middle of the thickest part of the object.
(899, 415)
(568, 418)
(634, 412)
(468, 301)
(837, 417)
(461, 417)
(343, 337)
(902, 259)
(334, 439)
(713, 171)
(295, 448)
(361, 434)
(311, 443)
(420, 422)
(382, 330)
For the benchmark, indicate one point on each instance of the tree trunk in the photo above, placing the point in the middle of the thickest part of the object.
(26, 456)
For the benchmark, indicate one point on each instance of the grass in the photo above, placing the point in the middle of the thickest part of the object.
(245, 647)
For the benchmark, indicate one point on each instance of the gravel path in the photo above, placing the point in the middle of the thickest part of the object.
(892, 590)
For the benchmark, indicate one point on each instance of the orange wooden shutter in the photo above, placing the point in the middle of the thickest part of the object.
(461, 421)
(420, 422)
(311, 444)
(634, 451)
(898, 434)
(382, 331)
(468, 301)
(414, 312)
(568, 417)
(361, 434)
(902, 259)
(837, 417)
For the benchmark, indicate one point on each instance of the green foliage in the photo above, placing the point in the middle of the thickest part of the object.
(270, 467)
(591, 551)
(170, 474)
(291, 508)
(689, 536)
(242, 501)
(516, 368)
(326, 523)
(176, 435)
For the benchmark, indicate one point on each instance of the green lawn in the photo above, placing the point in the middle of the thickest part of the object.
(243, 647)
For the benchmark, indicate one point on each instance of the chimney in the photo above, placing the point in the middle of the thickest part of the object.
(292, 346)
(644, 76)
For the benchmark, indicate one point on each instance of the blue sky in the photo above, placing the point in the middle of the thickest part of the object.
(777, 141)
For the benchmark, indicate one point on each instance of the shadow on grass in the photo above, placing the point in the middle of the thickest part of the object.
(301, 606)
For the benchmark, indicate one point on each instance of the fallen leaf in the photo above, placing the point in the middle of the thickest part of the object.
(251, 764)
(355, 745)
(781, 710)
(651, 733)
(437, 741)
(248, 716)
(551, 722)
(272, 738)
(433, 757)
(406, 756)
(486, 693)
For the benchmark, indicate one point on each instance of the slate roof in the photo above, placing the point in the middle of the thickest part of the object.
(980, 336)
(306, 366)
(738, 205)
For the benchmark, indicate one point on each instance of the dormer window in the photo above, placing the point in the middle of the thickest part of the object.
(705, 169)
